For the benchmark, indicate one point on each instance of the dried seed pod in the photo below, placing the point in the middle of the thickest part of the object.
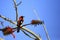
(7, 31)
(37, 22)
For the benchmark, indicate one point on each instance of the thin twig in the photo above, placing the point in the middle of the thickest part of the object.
(3, 17)
(27, 34)
(1, 22)
(35, 12)
(46, 32)
(19, 3)
(15, 5)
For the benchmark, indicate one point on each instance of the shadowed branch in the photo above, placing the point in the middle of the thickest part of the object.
(15, 5)
(27, 34)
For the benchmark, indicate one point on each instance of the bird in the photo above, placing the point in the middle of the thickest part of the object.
(19, 23)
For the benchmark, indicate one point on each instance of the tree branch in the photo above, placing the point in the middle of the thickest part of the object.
(3, 17)
(15, 5)
(19, 3)
(27, 34)
(35, 12)
(46, 32)
(36, 36)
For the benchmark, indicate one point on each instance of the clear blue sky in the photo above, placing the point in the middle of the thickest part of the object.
(48, 10)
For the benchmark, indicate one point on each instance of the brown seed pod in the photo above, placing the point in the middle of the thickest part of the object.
(37, 22)
(7, 31)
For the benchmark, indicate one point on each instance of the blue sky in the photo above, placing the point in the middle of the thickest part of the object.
(48, 10)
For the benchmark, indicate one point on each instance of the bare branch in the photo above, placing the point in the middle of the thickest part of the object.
(7, 19)
(36, 36)
(35, 12)
(27, 34)
(16, 9)
(26, 24)
(19, 3)
(46, 31)
(34, 22)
